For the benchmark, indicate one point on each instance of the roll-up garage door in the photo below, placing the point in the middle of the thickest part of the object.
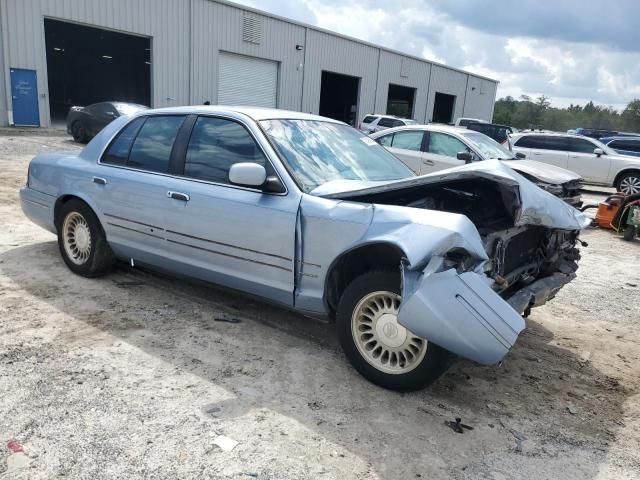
(247, 81)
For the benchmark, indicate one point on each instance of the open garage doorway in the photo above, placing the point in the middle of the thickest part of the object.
(87, 65)
(443, 108)
(339, 97)
(400, 101)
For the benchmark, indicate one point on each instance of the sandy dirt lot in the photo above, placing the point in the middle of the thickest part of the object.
(131, 376)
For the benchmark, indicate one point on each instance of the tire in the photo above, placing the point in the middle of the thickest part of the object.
(629, 183)
(82, 241)
(79, 132)
(629, 233)
(361, 336)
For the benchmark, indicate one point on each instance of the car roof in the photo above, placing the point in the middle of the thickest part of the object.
(550, 134)
(432, 127)
(610, 139)
(255, 113)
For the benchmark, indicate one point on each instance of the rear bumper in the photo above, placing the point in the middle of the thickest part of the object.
(462, 313)
(38, 207)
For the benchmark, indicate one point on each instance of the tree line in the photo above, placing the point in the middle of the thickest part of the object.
(538, 113)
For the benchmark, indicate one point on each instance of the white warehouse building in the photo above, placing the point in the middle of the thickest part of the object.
(59, 53)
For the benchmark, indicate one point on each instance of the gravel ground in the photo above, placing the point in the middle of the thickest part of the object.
(131, 376)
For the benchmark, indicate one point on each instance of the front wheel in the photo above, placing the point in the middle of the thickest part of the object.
(82, 241)
(79, 132)
(629, 183)
(381, 349)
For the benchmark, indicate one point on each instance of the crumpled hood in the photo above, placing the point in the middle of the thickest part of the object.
(544, 172)
(537, 207)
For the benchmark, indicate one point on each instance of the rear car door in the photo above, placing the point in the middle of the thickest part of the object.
(239, 237)
(442, 152)
(585, 163)
(407, 145)
(550, 149)
(130, 186)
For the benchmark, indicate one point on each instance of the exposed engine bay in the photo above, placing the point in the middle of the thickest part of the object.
(519, 255)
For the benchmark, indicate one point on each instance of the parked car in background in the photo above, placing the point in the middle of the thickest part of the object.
(500, 133)
(375, 123)
(594, 132)
(623, 145)
(463, 121)
(431, 148)
(594, 161)
(84, 123)
(310, 213)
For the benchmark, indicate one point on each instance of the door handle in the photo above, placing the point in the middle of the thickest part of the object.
(178, 196)
(100, 180)
(428, 162)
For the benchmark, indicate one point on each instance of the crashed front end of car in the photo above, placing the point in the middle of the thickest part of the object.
(504, 247)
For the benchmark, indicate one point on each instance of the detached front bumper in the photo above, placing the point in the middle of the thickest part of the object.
(461, 313)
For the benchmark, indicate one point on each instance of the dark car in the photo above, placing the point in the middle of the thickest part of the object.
(623, 145)
(595, 132)
(500, 133)
(84, 123)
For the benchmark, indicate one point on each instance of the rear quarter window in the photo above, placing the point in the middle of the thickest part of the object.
(369, 119)
(118, 152)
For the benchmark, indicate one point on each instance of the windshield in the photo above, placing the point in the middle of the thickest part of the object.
(487, 147)
(318, 152)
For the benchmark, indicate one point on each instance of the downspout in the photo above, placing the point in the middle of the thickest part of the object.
(304, 68)
(426, 109)
(190, 89)
(466, 91)
(4, 57)
(375, 90)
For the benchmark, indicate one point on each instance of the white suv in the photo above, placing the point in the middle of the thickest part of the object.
(596, 163)
(375, 122)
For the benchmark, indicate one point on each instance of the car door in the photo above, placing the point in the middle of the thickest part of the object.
(407, 146)
(582, 160)
(129, 187)
(227, 234)
(551, 149)
(442, 152)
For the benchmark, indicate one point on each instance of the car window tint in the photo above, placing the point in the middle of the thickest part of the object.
(579, 145)
(542, 142)
(118, 151)
(152, 147)
(629, 145)
(386, 140)
(386, 122)
(397, 123)
(411, 140)
(443, 144)
(368, 119)
(215, 145)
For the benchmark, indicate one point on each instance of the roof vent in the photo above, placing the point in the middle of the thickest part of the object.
(251, 29)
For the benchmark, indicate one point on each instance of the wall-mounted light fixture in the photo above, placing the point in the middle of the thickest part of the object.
(299, 47)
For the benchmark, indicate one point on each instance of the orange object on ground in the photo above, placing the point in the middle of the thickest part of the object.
(607, 210)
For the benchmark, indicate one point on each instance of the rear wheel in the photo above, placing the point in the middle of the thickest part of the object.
(82, 241)
(79, 132)
(629, 183)
(381, 349)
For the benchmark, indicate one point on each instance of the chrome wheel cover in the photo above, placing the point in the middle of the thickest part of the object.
(76, 238)
(381, 340)
(630, 185)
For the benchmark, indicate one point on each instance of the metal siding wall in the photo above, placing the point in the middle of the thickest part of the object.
(166, 21)
(481, 95)
(418, 78)
(339, 55)
(3, 85)
(218, 27)
(447, 81)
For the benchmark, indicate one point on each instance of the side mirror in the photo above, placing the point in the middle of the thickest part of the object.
(599, 152)
(464, 156)
(520, 155)
(247, 174)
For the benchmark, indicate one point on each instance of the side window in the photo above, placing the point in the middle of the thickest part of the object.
(369, 119)
(526, 142)
(215, 145)
(578, 145)
(386, 140)
(385, 122)
(151, 149)
(443, 144)
(617, 144)
(398, 123)
(629, 145)
(118, 151)
(409, 140)
(554, 143)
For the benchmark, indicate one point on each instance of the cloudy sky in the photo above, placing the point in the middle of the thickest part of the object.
(570, 50)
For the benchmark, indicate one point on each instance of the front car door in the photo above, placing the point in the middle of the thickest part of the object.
(407, 146)
(227, 234)
(442, 152)
(582, 160)
(550, 149)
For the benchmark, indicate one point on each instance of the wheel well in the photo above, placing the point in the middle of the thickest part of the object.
(352, 264)
(624, 172)
(58, 206)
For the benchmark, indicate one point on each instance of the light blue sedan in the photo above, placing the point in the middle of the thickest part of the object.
(312, 214)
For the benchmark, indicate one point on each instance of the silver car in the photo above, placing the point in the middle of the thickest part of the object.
(310, 213)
